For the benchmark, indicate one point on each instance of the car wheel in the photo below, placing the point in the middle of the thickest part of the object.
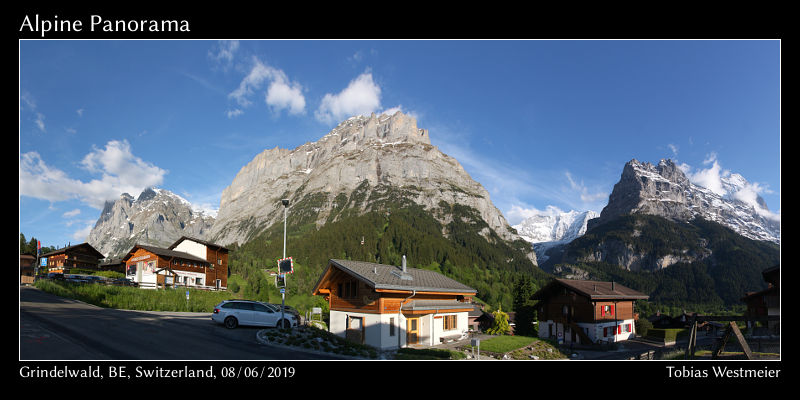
(231, 322)
(284, 324)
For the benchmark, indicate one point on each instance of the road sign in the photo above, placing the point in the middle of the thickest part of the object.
(187, 295)
(43, 262)
(283, 290)
(286, 265)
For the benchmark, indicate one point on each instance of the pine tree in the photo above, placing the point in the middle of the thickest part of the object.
(500, 326)
(524, 288)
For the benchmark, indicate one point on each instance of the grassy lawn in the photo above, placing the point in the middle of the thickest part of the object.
(131, 298)
(667, 335)
(504, 344)
(520, 348)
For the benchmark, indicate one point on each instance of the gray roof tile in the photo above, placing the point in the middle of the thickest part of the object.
(381, 276)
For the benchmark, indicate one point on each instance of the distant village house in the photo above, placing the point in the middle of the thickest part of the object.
(188, 262)
(81, 256)
(574, 311)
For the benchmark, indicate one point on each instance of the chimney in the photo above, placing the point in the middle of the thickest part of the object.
(612, 286)
(404, 263)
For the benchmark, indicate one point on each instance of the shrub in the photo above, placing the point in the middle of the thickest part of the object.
(643, 326)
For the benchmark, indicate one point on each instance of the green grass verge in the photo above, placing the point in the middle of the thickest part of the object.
(504, 344)
(429, 354)
(131, 298)
(667, 335)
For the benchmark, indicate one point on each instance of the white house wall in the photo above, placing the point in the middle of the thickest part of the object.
(196, 249)
(377, 328)
(593, 330)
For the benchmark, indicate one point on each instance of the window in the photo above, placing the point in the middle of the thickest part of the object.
(391, 326)
(606, 310)
(348, 290)
(450, 322)
(198, 281)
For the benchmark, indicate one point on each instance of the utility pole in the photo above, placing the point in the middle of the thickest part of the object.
(283, 290)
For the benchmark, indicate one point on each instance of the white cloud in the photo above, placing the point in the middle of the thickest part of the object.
(674, 149)
(361, 97)
(234, 113)
(224, 52)
(581, 188)
(37, 179)
(120, 171)
(80, 112)
(72, 213)
(281, 93)
(710, 178)
(83, 233)
(40, 121)
(723, 183)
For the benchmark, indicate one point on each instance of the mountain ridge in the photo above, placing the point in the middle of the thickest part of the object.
(346, 168)
(665, 190)
(156, 217)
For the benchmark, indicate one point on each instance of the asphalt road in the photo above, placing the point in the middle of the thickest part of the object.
(55, 328)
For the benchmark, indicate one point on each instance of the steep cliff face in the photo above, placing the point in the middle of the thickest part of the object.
(157, 217)
(664, 190)
(352, 167)
(656, 217)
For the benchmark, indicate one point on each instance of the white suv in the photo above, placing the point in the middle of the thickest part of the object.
(233, 313)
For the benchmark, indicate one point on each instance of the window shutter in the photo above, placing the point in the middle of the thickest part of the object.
(602, 311)
(619, 329)
(612, 309)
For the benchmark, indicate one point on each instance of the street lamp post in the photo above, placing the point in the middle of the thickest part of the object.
(285, 203)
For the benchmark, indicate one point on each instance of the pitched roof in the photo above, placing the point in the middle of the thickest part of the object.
(390, 277)
(73, 247)
(595, 290)
(166, 253)
(209, 244)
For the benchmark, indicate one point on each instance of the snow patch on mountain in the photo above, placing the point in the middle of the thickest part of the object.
(552, 227)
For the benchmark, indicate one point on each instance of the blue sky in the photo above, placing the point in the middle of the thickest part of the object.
(542, 125)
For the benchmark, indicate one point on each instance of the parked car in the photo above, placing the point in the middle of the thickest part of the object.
(233, 313)
(76, 278)
(123, 282)
(287, 310)
(58, 276)
(96, 279)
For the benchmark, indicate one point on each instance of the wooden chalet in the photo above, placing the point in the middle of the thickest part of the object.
(82, 256)
(391, 307)
(575, 311)
(766, 303)
(216, 255)
(188, 262)
(27, 268)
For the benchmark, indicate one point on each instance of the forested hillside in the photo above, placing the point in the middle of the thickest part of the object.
(727, 265)
(457, 249)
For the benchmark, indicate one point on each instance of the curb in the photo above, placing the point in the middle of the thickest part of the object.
(262, 340)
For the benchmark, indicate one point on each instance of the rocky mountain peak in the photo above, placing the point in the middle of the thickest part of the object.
(353, 166)
(664, 190)
(156, 217)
